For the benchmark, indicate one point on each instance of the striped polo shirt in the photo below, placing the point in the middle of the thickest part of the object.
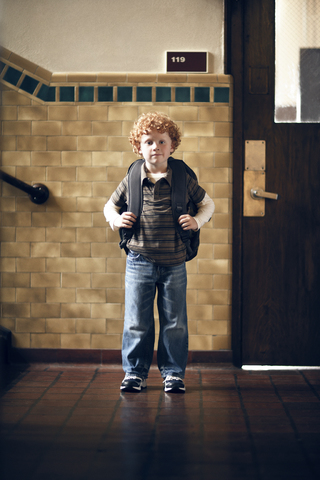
(155, 236)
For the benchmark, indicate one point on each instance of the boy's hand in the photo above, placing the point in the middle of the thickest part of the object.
(187, 222)
(125, 220)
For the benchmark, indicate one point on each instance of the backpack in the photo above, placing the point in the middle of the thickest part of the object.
(179, 168)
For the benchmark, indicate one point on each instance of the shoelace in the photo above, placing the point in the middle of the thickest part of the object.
(170, 377)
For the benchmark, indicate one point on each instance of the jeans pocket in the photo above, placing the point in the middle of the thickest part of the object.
(133, 255)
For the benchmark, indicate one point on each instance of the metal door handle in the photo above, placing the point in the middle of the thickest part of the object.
(259, 193)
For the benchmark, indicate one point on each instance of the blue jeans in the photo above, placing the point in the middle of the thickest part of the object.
(143, 278)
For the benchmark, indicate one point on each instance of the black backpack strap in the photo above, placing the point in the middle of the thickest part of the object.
(179, 197)
(135, 200)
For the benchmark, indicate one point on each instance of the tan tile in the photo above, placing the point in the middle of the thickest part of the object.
(8, 143)
(62, 143)
(92, 143)
(200, 342)
(122, 113)
(21, 340)
(107, 128)
(45, 158)
(7, 294)
(25, 234)
(70, 310)
(90, 205)
(43, 73)
(82, 77)
(58, 77)
(106, 280)
(222, 251)
(215, 144)
(32, 113)
(222, 221)
(15, 279)
(8, 113)
(66, 113)
(76, 128)
(46, 219)
(184, 114)
(33, 295)
(91, 295)
(223, 159)
(187, 145)
(44, 310)
(77, 340)
(16, 310)
(76, 158)
(14, 98)
(222, 282)
(202, 78)
(33, 143)
(91, 265)
(201, 129)
(76, 219)
(60, 295)
(30, 325)
(111, 77)
(61, 264)
(216, 175)
(221, 342)
(65, 235)
(10, 249)
(45, 249)
(115, 174)
(45, 340)
(7, 204)
(91, 173)
(16, 158)
(60, 325)
(8, 264)
(106, 310)
(223, 190)
(106, 341)
(101, 249)
(214, 297)
(198, 282)
(76, 189)
(116, 265)
(66, 174)
(200, 312)
(77, 280)
(114, 326)
(31, 265)
(213, 266)
(223, 129)
(97, 113)
(205, 250)
(75, 250)
(91, 234)
(91, 325)
(45, 280)
(107, 158)
(115, 295)
(16, 128)
(12, 219)
(117, 144)
(8, 234)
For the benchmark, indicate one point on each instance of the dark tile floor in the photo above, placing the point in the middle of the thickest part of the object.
(70, 422)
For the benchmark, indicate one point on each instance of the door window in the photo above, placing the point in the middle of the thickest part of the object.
(297, 82)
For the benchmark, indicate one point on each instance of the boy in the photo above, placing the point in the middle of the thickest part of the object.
(156, 259)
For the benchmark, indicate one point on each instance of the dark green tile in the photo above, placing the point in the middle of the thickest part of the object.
(124, 94)
(29, 84)
(66, 94)
(182, 94)
(12, 76)
(202, 94)
(47, 94)
(221, 94)
(163, 94)
(105, 94)
(86, 94)
(144, 94)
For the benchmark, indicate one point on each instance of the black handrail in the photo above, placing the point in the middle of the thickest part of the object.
(38, 193)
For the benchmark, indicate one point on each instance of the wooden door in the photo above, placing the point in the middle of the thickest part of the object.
(276, 269)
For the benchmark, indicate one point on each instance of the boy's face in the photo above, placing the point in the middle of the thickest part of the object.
(156, 148)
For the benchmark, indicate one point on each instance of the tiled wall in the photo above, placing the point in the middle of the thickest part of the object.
(62, 269)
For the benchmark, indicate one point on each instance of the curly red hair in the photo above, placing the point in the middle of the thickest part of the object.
(154, 121)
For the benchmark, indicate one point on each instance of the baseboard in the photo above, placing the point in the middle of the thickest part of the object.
(102, 357)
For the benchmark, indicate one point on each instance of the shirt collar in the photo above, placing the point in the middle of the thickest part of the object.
(168, 177)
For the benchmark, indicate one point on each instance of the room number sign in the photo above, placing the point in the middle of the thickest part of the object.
(187, 62)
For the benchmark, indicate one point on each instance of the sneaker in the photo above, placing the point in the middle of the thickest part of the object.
(174, 384)
(132, 383)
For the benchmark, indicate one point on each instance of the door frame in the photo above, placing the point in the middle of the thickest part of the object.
(234, 60)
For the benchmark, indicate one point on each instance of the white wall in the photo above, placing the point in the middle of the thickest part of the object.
(111, 35)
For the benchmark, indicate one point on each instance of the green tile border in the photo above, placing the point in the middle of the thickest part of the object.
(112, 92)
